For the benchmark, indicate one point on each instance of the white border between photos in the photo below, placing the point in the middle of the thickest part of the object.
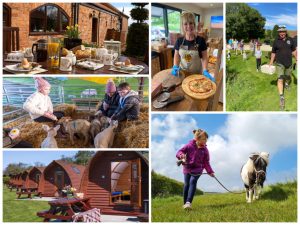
(156, 113)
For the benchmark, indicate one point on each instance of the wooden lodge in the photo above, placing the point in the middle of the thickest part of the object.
(34, 176)
(57, 175)
(117, 182)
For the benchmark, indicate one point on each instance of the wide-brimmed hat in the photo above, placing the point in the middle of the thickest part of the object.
(281, 28)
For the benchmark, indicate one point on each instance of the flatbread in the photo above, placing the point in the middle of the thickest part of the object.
(198, 87)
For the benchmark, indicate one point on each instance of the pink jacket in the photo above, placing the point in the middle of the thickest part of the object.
(197, 158)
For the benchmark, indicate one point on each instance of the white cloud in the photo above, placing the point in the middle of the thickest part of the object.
(282, 19)
(229, 148)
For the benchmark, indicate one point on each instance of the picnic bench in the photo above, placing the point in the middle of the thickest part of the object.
(64, 209)
(27, 191)
(86, 102)
(15, 186)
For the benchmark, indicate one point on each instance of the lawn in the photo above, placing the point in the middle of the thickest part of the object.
(248, 90)
(21, 210)
(278, 204)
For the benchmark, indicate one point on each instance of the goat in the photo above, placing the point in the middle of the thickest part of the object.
(105, 138)
(49, 141)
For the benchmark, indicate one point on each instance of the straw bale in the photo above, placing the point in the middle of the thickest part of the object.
(129, 134)
(68, 109)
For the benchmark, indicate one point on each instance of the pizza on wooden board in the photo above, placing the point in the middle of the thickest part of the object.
(198, 86)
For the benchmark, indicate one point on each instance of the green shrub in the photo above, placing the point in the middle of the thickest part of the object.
(137, 39)
(163, 186)
(5, 179)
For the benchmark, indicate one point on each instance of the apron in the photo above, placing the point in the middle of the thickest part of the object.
(190, 60)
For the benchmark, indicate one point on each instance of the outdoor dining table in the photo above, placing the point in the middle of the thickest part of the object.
(27, 191)
(64, 208)
(187, 104)
(78, 70)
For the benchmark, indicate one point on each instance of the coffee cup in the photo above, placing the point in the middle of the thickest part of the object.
(108, 59)
(65, 64)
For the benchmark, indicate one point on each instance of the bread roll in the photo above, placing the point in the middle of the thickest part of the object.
(127, 62)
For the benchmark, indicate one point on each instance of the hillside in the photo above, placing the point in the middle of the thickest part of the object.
(277, 204)
(163, 186)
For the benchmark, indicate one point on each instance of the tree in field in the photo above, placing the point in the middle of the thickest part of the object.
(15, 168)
(138, 32)
(83, 157)
(244, 22)
(275, 32)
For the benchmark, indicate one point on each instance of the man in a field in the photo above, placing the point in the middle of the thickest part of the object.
(283, 50)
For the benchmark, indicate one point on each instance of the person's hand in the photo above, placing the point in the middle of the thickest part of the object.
(113, 117)
(212, 174)
(175, 70)
(207, 75)
(50, 116)
(99, 112)
(271, 63)
(105, 106)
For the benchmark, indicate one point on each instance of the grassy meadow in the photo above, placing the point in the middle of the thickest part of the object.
(277, 204)
(21, 210)
(248, 90)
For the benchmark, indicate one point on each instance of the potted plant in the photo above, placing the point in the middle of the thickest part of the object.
(68, 191)
(72, 39)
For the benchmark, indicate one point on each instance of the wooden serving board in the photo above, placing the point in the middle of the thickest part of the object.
(194, 95)
(167, 79)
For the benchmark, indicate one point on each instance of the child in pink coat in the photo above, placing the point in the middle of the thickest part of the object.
(196, 158)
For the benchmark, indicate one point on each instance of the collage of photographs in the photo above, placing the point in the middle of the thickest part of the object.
(149, 111)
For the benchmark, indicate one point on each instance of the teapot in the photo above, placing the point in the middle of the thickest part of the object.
(39, 50)
(100, 52)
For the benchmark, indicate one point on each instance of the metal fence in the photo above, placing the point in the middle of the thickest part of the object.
(15, 94)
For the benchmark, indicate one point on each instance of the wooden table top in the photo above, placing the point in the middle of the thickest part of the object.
(68, 201)
(187, 104)
(78, 70)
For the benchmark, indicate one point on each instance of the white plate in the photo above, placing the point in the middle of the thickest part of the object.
(16, 69)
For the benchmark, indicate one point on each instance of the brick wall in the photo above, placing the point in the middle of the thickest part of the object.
(20, 18)
(84, 22)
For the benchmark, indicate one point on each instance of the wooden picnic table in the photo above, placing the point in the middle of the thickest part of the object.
(64, 208)
(78, 70)
(17, 186)
(27, 191)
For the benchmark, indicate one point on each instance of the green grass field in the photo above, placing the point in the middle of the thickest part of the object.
(278, 204)
(248, 90)
(21, 210)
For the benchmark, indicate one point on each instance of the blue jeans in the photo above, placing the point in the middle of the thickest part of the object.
(189, 188)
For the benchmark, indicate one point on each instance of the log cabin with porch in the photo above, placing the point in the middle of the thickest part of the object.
(117, 182)
(96, 21)
(57, 175)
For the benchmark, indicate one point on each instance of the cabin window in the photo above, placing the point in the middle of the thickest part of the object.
(48, 19)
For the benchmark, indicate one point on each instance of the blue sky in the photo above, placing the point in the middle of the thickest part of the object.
(278, 13)
(232, 137)
(127, 7)
(30, 157)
